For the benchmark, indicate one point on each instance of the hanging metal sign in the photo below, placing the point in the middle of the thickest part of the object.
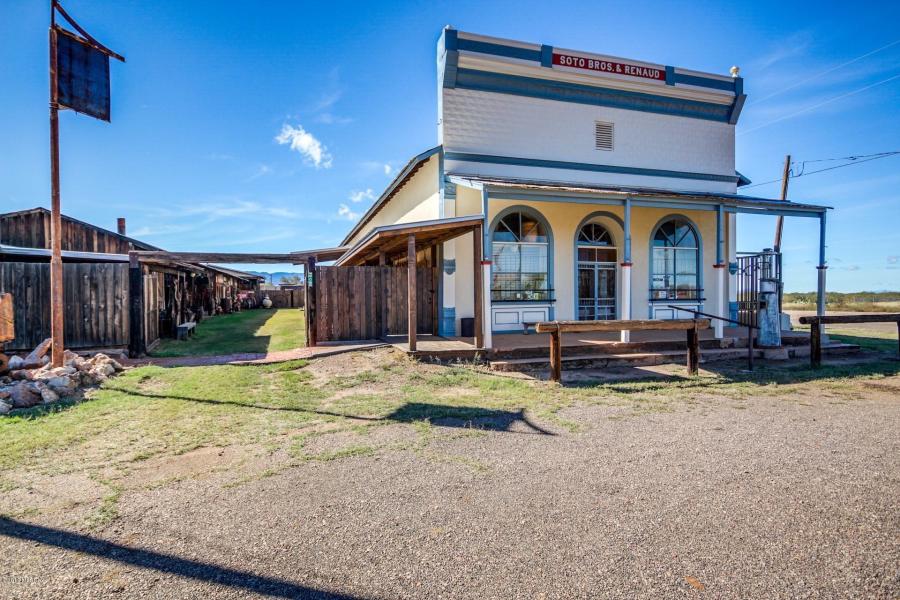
(82, 75)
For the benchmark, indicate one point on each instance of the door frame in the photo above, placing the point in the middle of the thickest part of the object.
(596, 267)
(616, 228)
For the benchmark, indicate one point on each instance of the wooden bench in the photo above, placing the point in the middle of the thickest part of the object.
(815, 329)
(556, 328)
(185, 330)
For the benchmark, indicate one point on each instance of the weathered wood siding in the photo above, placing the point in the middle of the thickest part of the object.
(32, 230)
(364, 303)
(152, 302)
(96, 303)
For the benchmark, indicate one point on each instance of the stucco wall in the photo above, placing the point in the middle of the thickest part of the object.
(417, 200)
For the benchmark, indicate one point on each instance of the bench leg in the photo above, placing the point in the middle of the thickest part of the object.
(815, 345)
(693, 349)
(555, 357)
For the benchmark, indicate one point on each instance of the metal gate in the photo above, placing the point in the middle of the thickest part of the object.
(751, 268)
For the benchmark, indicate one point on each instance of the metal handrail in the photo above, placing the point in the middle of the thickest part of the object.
(749, 327)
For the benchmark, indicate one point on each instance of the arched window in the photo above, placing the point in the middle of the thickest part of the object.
(675, 271)
(520, 254)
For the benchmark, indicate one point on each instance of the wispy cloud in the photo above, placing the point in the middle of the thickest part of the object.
(376, 166)
(327, 118)
(344, 212)
(300, 140)
(261, 171)
(360, 195)
(790, 47)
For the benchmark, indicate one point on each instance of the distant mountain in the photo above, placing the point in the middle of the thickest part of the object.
(276, 277)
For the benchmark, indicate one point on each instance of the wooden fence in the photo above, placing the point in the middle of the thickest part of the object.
(283, 298)
(366, 303)
(96, 303)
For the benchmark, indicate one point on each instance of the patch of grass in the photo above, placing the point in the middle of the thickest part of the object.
(256, 330)
(158, 412)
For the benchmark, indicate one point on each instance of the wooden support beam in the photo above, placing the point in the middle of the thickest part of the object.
(620, 325)
(157, 256)
(310, 310)
(693, 349)
(411, 290)
(434, 292)
(815, 344)
(863, 318)
(555, 356)
(479, 286)
(137, 337)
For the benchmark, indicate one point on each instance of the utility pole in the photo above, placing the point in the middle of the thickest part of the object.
(785, 177)
(57, 326)
(79, 81)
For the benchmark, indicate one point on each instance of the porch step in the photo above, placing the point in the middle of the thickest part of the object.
(644, 359)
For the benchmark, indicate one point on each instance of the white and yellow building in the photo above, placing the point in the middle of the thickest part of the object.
(607, 186)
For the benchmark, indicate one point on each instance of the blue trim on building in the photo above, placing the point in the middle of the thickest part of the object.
(707, 82)
(498, 49)
(720, 235)
(670, 75)
(626, 228)
(451, 62)
(588, 94)
(489, 252)
(451, 38)
(617, 244)
(447, 324)
(546, 56)
(742, 179)
(736, 109)
(574, 166)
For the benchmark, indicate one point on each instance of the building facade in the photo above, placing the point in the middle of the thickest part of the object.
(607, 186)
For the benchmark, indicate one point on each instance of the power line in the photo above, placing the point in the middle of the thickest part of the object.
(854, 160)
(825, 72)
(820, 104)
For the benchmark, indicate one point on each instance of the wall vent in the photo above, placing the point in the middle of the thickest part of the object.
(603, 135)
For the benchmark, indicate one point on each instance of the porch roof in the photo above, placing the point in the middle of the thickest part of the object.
(529, 189)
(392, 239)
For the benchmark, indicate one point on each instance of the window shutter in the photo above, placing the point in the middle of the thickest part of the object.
(603, 135)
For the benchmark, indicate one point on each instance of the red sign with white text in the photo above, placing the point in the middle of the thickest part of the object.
(608, 66)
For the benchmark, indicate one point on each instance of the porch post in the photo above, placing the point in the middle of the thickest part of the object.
(820, 292)
(487, 317)
(626, 272)
(412, 317)
(312, 334)
(478, 270)
(719, 326)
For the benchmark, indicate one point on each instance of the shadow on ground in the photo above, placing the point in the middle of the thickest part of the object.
(165, 563)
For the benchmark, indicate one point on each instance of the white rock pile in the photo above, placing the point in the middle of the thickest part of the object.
(27, 387)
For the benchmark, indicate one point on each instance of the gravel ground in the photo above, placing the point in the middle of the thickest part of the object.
(789, 498)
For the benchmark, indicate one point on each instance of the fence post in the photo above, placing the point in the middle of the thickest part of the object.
(137, 337)
(815, 344)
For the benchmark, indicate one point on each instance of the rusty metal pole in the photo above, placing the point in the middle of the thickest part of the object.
(57, 324)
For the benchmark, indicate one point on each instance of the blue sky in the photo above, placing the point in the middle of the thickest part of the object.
(245, 126)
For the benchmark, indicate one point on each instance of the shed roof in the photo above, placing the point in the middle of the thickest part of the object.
(42, 210)
(392, 239)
